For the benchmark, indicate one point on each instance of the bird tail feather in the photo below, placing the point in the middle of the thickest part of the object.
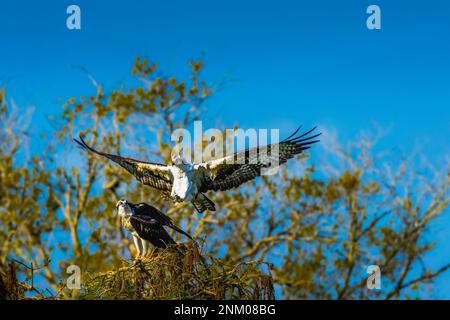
(174, 227)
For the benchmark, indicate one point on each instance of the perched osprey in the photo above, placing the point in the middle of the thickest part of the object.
(146, 224)
(183, 181)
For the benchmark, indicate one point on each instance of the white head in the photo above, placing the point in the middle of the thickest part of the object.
(177, 158)
(123, 208)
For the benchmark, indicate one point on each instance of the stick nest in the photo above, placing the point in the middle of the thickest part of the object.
(180, 272)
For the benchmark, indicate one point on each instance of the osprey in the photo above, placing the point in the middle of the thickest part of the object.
(146, 224)
(183, 181)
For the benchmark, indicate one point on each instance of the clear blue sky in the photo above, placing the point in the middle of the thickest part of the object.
(287, 62)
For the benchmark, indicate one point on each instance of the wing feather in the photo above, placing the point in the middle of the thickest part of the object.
(155, 175)
(231, 171)
(144, 209)
(151, 230)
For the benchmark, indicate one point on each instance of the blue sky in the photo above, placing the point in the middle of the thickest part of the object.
(285, 63)
(288, 62)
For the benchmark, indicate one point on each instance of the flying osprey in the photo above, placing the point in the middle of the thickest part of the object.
(146, 224)
(183, 181)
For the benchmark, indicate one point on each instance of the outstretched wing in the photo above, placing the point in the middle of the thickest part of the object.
(152, 174)
(151, 230)
(231, 171)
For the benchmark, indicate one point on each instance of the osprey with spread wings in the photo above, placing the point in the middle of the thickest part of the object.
(183, 181)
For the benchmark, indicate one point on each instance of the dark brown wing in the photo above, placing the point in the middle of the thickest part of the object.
(144, 209)
(155, 175)
(151, 230)
(231, 171)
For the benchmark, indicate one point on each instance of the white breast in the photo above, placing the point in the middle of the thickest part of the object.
(183, 186)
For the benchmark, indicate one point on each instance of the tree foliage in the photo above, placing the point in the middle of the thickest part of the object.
(318, 224)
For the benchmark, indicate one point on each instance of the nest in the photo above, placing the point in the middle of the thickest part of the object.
(180, 272)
